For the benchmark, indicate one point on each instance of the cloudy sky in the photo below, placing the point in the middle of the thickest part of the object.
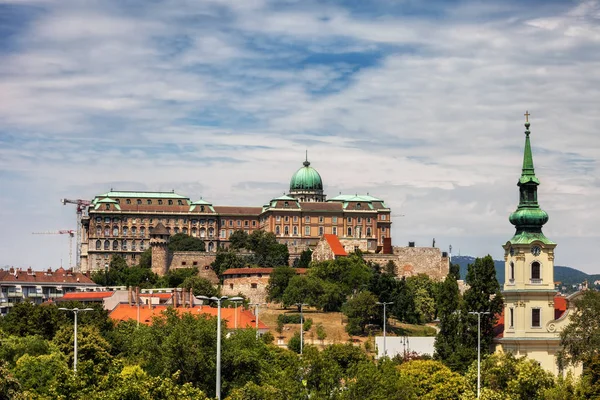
(418, 102)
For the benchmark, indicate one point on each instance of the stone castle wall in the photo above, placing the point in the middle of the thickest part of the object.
(411, 261)
(195, 259)
(322, 252)
(253, 286)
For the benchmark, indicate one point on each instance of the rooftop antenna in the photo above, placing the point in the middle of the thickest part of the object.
(450, 252)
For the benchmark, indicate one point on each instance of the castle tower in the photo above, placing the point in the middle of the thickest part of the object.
(159, 239)
(531, 327)
(306, 184)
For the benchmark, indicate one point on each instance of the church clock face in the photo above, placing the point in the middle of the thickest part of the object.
(536, 250)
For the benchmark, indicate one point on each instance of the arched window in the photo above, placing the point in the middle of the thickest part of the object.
(133, 231)
(536, 271)
(195, 232)
(176, 231)
(106, 231)
(115, 245)
(124, 245)
(125, 231)
(142, 245)
(98, 245)
(211, 247)
(106, 245)
(98, 231)
(286, 230)
(512, 271)
(277, 230)
(185, 230)
(143, 231)
(211, 232)
(133, 245)
(295, 230)
(368, 232)
(115, 231)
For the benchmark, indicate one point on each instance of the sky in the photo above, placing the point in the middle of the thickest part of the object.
(420, 103)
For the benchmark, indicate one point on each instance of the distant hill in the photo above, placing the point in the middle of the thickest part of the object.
(566, 275)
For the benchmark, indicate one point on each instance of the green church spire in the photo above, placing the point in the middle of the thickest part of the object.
(529, 218)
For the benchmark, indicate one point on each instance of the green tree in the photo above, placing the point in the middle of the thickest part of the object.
(45, 375)
(483, 295)
(146, 259)
(26, 318)
(303, 289)
(304, 260)
(278, 282)
(351, 273)
(10, 388)
(321, 333)
(404, 308)
(361, 311)
(381, 381)
(176, 277)
(183, 242)
(432, 380)
(14, 347)
(267, 251)
(422, 288)
(200, 286)
(294, 343)
(252, 391)
(91, 346)
(238, 240)
(227, 259)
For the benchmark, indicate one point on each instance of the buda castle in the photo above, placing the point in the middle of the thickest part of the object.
(121, 222)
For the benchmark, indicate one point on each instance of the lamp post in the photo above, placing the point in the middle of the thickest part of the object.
(75, 312)
(256, 310)
(479, 314)
(301, 326)
(235, 304)
(384, 324)
(219, 300)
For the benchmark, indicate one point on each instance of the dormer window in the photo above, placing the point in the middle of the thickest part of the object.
(139, 201)
(358, 206)
(286, 204)
(179, 202)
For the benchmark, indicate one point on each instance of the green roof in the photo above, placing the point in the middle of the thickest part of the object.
(306, 178)
(354, 197)
(285, 197)
(202, 202)
(145, 195)
(530, 237)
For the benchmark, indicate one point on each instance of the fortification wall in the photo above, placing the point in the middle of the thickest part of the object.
(195, 259)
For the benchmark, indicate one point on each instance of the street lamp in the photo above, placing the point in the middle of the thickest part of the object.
(75, 311)
(301, 326)
(219, 300)
(384, 324)
(256, 309)
(479, 314)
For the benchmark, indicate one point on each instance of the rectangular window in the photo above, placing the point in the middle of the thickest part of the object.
(246, 223)
(295, 218)
(239, 223)
(359, 220)
(195, 263)
(349, 220)
(278, 218)
(535, 271)
(536, 318)
(230, 222)
(307, 230)
(253, 285)
(320, 231)
(321, 220)
(170, 202)
(368, 220)
(334, 220)
(334, 230)
(183, 263)
(383, 217)
(512, 317)
(128, 201)
(307, 220)
(160, 202)
(253, 223)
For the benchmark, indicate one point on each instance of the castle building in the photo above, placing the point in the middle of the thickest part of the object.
(121, 222)
(533, 318)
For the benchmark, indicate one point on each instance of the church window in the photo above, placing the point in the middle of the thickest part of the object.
(536, 321)
(106, 245)
(98, 245)
(535, 271)
(139, 201)
(512, 271)
(307, 231)
(334, 230)
(512, 317)
(349, 234)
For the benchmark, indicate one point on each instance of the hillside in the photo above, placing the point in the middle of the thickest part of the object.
(566, 275)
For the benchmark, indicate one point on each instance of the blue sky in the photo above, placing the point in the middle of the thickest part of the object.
(420, 103)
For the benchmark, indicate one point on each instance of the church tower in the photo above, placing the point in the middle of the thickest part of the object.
(531, 325)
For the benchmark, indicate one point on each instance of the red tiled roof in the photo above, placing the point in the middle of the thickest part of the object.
(250, 271)
(245, 318)
(498, 329)
(85, 296)
(234, 210)
(335, 245)
(59, 276)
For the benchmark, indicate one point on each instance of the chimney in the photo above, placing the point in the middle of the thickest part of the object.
(130, 295)
(411, 244)
(184, 297)
(387, 246)
(191, 297)
(137, 295)
(175, 297)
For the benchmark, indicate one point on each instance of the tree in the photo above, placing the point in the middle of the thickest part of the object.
(146, 259)
(14, 347)
(267, 251)
(26, 318)
(432, 380)
(321, 333)
(294, 343)
(381, 381)
(183, 242)
(422, 288)
(404, 303)
(238, 240)
(580, 339)
(278, 282)
(10, 387)
(361, 311)
(227, 259)
(351, 273)
(304, 260)
(45, 375)
(199, 286)
(303, 289)
(483, 295)
(176, 277)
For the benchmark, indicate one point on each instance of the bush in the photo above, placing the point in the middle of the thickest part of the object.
(294, 343)
(268, 337)
(307, 324)
(289, 318)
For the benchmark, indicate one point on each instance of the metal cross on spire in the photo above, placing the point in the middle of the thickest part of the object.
(526, 116)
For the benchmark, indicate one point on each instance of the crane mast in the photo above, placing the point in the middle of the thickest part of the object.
(82, 209)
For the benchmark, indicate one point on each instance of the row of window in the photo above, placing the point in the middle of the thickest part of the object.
(149, 202)
(536, 318)
(536, 272)
(107, 220)
(125, 245)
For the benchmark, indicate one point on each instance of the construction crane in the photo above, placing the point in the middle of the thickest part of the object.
(82, 209)
(69, 232)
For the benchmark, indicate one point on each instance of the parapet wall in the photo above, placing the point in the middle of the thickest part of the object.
(195, 259)
(411, 261)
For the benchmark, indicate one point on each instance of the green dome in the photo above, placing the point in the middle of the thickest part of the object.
(306, 178)
(528, 219)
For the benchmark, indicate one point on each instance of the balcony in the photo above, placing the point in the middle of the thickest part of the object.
(15, 294)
